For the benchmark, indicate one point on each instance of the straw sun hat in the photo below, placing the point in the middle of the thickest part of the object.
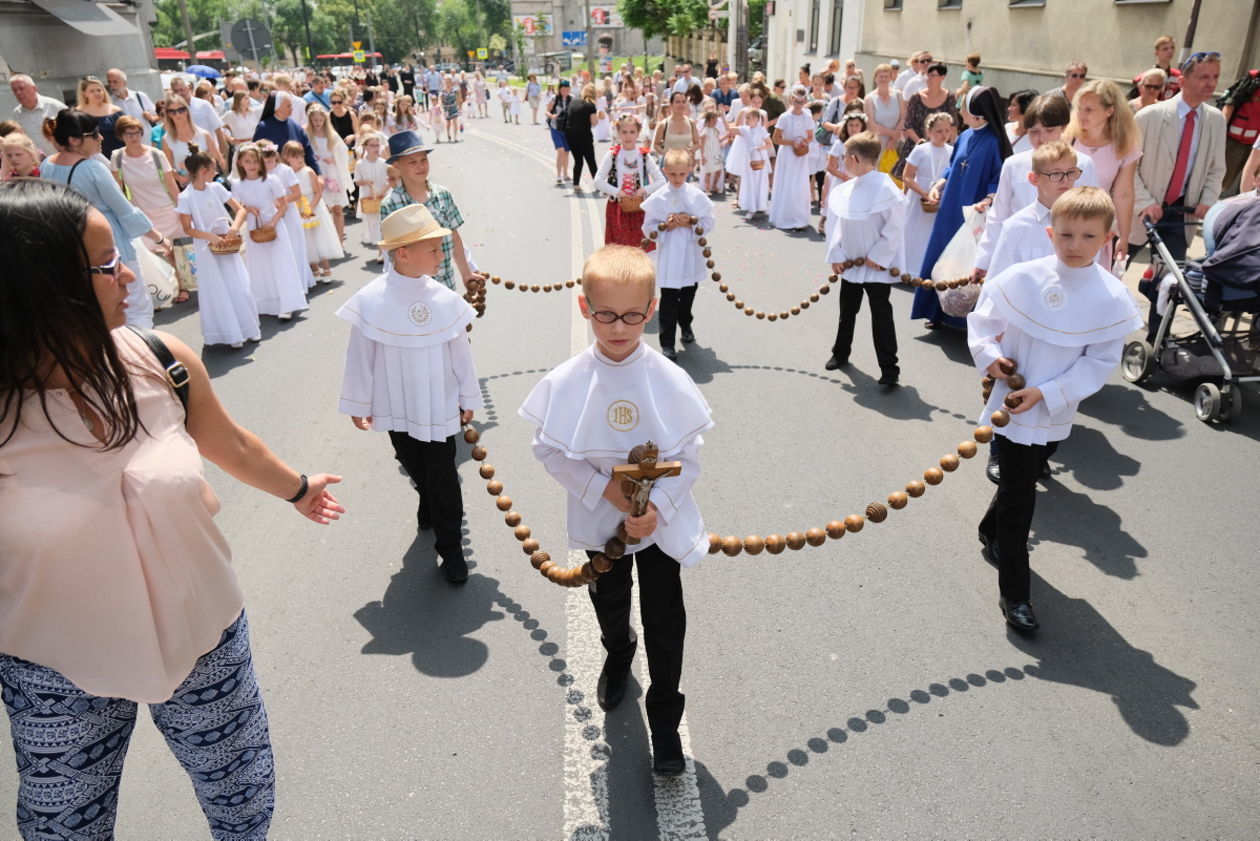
(408, 225)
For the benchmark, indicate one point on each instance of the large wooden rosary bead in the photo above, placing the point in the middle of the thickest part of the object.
(835, 529)
(794, 311)
(754, 543)
(730, 296)
(512, 518)
(661, 226)
(747, 310)
(539, 558)
(716, 275)
(1000, 418)
(702, 242)
(814, 297)
(877, 512)
(915, 488)
(708, 252)
(546, 567)
(509, 284)
(906, 277)
(987, 382)
(715, 543)
(504, 503)
(831, 278)
(815, 536)
(949, 463)
(569, 284)
(708, 264)
(773, 316)
(823, 290)
(471, 436)
(795, 540)
(804, 305)
(941, 286)
(722, 287)
(775, 544)
(486, 471)
(494, 487)
(784, 315)
(732, 545)
(601, 563)
(535, 288)
(897, 500)
(894, 272)
(1008, 366)
(760, 315)
(967, 449)
(521, 532)
(479, 453)
(982, 434)
(854, 523)
(1012, 402)
(614, 548)
(496, 280)
(529, 546)
(933, 476)
(740, 305)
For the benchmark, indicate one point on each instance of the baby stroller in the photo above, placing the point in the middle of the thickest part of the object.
(1217, 292)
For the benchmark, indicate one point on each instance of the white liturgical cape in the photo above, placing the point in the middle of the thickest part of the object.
(1064, 328)
(590, 412)
(871, 219)
(409, 364)
(679, 258)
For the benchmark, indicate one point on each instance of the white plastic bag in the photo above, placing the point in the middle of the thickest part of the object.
(156, 275)
(957, 261)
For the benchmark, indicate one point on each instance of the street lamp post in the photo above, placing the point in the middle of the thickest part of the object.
(306, 24)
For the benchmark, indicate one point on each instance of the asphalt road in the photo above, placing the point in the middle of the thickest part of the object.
(866, 689)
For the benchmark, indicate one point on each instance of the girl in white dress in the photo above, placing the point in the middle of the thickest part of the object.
(334, 164)
(789, 209)
(712, 132)
(754, 183)
(322, 244)
(603, 103)
(924, 167)
(279, 289)
(854, 123)
(737, 157)
(292, 216)
(372, 176)
(481, 94)
(403, 117)
(224, 302)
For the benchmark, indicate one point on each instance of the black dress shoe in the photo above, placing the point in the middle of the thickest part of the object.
(835, 363)
(611, 688)
(889, 379)
(991, 469)
(1019, 615)
(667, 755)
(688, 337)
(455, 569)
(670, 354)
(989, 549)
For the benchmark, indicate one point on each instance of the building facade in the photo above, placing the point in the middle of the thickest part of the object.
(812, 32)
(560, 26)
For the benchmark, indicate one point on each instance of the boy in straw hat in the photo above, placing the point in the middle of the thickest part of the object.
(409, 371)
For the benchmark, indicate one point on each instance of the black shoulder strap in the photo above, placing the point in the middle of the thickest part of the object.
(176, 373)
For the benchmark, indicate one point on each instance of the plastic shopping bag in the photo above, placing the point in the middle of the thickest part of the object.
(956, 261)
(156, 275)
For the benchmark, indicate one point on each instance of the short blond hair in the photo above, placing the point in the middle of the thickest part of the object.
(1051, 153)
(865, 146)
(1164, 39)
(1084, 203)
(884, 68)
(675, 157)
(619, 265)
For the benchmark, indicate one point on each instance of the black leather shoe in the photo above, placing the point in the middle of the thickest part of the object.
(835, 363)
(688, 337)
(670, 354)
(989, 549)
(667, 755)
(611, 688)
(991, 469)
(1019, 615)
(889, 379)
(455, 569)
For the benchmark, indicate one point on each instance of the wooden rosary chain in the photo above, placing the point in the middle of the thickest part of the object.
(547, 287)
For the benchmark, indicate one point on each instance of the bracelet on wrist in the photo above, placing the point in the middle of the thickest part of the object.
(301, 491)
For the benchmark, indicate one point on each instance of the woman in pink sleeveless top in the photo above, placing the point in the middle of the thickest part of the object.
(116, 587)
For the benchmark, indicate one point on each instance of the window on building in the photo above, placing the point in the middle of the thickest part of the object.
(1017, 3)
(815, 8)
(949, 4)
(892, 5)
(837, 16)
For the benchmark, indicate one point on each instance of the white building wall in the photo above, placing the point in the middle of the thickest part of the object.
(788, 35)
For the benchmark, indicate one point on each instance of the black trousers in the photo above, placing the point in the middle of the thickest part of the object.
(431, 466)
(1007, 522)
(582, 147)
(675, 310)
(883, 330)
(664, 628)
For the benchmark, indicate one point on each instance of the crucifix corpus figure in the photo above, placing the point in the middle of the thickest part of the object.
(637, 479)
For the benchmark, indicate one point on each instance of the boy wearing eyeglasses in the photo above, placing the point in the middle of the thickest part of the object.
(1023, 236)
(588, 414)
(1060, 322)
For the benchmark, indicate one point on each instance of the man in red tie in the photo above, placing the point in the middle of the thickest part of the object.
(1183, 158)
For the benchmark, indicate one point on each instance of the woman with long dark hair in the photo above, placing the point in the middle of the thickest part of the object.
(972, 176)
(78, 140)
(275, 125)
(116, 587)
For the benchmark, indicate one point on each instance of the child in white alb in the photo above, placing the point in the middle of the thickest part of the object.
(1023, 236)
(372, 176)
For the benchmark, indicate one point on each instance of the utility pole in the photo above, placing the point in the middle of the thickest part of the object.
(306, 24)
(732, 31)
(1191, 26)
(590, 42)
(188, 33)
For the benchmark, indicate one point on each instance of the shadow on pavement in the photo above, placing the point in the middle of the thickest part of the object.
(1127, 407)
(902, 402)
(1095, 463)
(1076, 519)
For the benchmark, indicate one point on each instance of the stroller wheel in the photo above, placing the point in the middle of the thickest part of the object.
(1233, 404)
(1138, 361)
(1207, 402)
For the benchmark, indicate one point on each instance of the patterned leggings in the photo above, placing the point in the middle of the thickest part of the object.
(70, 746)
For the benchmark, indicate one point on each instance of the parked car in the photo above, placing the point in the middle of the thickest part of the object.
(757, 51)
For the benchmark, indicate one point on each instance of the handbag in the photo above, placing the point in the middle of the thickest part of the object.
(176, 373)
(824, 137)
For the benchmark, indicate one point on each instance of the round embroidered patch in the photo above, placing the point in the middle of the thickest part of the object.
(419, 313)
(1053, 297)
(623, 415)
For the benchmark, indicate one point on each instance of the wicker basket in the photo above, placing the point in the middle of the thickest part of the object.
(630, 204)
(262, 234)
(230, 245)
(801, 148)
(929, 206)
(367, 205)
(756, 165)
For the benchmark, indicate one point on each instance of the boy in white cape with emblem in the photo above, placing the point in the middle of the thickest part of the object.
(588, 414)
(409, 371)
(1062, 320)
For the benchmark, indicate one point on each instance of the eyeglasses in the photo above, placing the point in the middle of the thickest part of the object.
(96, 133)
(630, 318)
(177, 110)
(1152, 87)
(1056, 177)
(112, 268)
(337, 101)
(1076, 75)
(133, 132)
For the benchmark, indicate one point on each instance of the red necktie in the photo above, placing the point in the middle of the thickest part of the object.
(1175, 186)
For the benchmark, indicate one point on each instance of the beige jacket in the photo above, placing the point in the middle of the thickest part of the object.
(1161, 135)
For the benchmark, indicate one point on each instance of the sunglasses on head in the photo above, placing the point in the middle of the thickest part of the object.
(1199, 58)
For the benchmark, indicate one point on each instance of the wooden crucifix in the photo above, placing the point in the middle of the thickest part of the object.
(637, 479)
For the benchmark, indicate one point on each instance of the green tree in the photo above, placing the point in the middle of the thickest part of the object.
(664, 17)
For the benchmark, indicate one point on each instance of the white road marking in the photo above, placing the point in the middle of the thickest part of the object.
(679, 815)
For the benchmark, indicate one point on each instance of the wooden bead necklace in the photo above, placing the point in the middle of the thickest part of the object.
(1015, 382)
(547, 287)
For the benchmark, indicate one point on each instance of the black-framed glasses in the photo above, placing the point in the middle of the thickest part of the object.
(112, 268)
(177, 110)
(630, 318)
(1056, 177)
(1076, 75)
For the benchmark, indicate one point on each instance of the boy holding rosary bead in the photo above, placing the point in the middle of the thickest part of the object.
(1064, 319)
(588, 414)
